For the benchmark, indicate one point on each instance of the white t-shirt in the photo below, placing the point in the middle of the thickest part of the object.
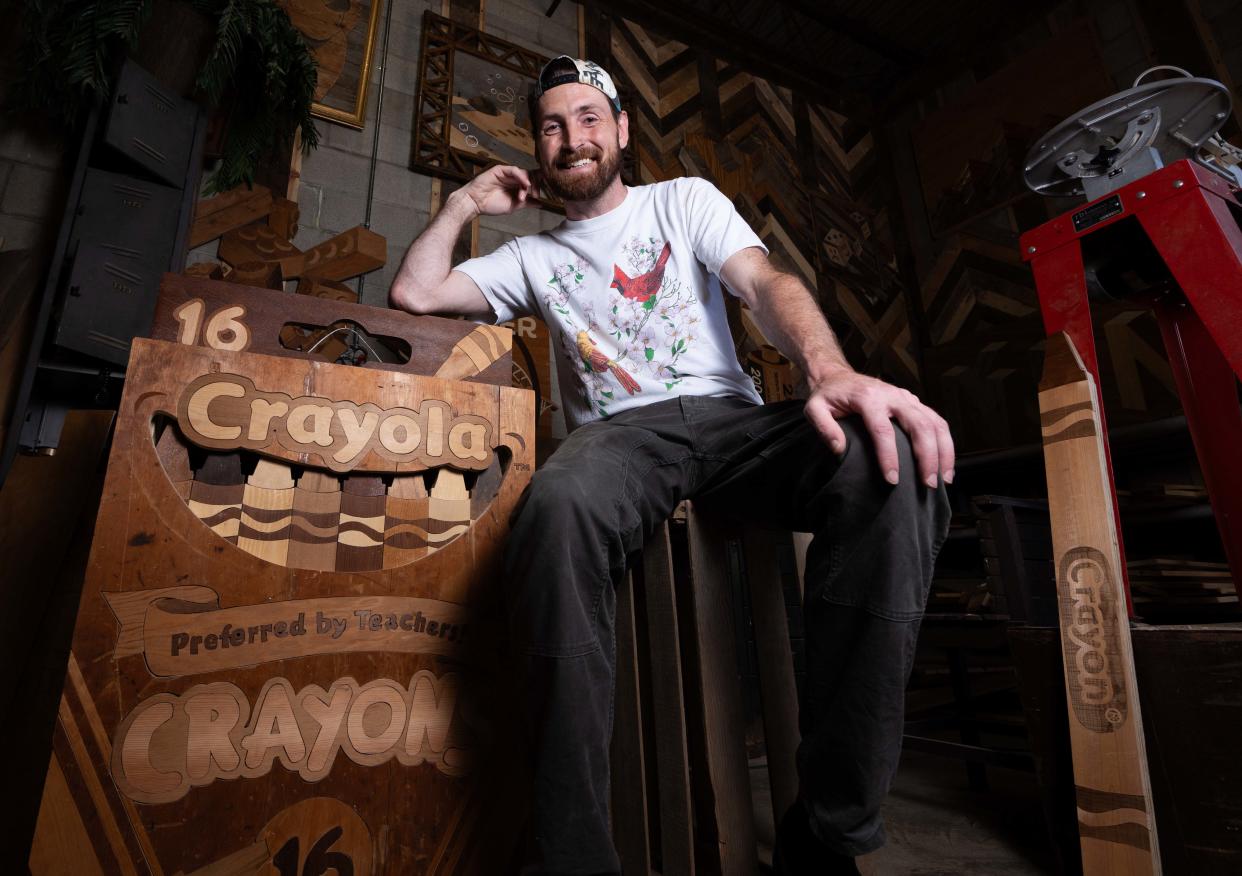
(632, 298)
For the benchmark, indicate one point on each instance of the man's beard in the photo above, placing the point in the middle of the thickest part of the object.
(577, 186)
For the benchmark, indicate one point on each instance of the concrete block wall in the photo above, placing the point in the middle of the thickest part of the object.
(34, 162)
(333, 194)
(33, 178)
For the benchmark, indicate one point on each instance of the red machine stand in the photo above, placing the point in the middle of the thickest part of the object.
(1190, 216)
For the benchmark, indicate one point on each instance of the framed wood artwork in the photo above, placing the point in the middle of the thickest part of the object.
(472, 108)
(341, 36)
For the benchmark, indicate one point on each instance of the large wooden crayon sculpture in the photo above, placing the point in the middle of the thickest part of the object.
(287, 658)
(1116, 823)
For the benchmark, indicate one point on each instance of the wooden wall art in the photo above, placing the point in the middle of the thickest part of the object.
(984, 338)
(471, 111)
(341, 35)
(288, 655)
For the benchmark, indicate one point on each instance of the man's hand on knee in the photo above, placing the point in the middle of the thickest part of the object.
(879, 404)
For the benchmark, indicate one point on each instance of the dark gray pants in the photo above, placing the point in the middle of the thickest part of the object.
(868, 571)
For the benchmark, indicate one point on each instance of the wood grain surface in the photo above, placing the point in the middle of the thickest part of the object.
(225, 713)
(220, 315)
(227, 211)
(668, 704)
(1116, 822)
(349, 254)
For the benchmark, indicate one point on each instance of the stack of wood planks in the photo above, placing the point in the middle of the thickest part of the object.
(1163, 585)
(256, 230)
(1170, 495)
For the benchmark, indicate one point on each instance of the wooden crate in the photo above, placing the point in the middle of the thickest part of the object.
(240, 698)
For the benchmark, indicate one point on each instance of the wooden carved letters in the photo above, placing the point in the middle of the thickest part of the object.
(226, 411)
(1092, 658)
(170, 744)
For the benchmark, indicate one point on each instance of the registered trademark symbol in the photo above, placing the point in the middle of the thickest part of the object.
(1113, 716)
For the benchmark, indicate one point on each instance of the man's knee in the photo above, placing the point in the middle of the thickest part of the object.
(879, 540)
(861, 470)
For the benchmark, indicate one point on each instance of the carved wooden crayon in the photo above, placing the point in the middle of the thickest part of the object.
(1116, 821)
(360, 541)
(485, 487)
(407, 510)
(229, 210)
(475, 352)
(207, 270)
(267, 506)
(216, 494)
(259, 243)
(449, 511)
(284, 218)
(315, 522)
(349, 254)
(264, 275)
(328, 289)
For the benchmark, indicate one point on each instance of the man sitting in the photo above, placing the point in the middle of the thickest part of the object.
(631, 287)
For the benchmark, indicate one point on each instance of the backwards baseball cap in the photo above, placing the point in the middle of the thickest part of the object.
(564, 69)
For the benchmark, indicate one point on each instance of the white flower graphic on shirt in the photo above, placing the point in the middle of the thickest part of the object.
(566, 281)
(647, 327)
(642, 253)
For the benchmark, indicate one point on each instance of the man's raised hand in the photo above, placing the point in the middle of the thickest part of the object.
(501, 190)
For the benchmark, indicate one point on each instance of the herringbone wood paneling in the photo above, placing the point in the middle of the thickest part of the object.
(797, 184)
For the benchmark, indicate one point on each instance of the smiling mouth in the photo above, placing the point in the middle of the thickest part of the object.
(581, 162)
(319, 519)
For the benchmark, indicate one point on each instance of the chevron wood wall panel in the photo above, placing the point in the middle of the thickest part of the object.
(987, 342)
(805, 185)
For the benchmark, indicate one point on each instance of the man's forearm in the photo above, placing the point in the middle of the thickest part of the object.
(430, 257)
(794, 324)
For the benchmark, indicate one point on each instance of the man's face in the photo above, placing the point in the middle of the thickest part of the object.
(578, 141)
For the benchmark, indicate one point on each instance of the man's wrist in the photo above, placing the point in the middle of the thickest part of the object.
(462, 206)
(826, 371)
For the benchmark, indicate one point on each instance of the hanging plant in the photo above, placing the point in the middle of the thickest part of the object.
(261, 61)
(258, 64)
(65, 57)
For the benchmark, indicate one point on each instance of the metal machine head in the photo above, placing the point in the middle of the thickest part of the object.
(1131, 134)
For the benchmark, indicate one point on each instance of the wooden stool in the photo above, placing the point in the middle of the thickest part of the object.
(687, 805)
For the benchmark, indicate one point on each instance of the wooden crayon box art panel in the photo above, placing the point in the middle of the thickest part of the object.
(288, 657)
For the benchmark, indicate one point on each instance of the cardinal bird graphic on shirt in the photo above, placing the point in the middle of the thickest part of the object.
(599, 363)
(643, 286)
